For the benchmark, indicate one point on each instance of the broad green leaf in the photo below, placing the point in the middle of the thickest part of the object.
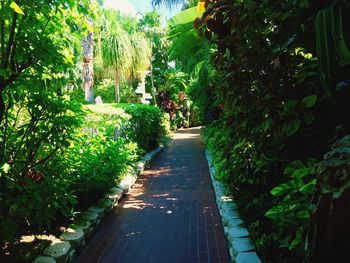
(275, 211)
(300, 173)
(289, 106)
(309, 101)
(16, 8)
(281, 189)
(293, 166)
(295, 184)
(185, 16)
(309, 187)
(180, 29)
(292, 127)
(183, 44)
(308, 117)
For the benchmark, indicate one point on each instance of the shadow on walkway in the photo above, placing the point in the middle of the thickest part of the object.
(169, 216)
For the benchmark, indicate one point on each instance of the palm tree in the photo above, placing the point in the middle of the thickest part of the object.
(87, 72)
(141, 55)
(168, 3)
(117, 55)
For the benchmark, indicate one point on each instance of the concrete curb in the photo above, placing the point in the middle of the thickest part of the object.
(64, 248)
(241, 248)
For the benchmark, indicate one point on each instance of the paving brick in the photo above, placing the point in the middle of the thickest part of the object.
(170, 215)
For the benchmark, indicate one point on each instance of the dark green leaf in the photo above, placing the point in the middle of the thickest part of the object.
(293, 166)
(309, 101)
(308, 117)
(292, 127)
(309, 187)
(303, 214)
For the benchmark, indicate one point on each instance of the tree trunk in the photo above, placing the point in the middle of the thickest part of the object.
(116, 87)
(154, 101)
(88, 73)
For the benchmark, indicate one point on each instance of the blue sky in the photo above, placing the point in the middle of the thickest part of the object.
(142, 6)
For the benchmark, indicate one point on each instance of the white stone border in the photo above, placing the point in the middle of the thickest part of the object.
(63, 249)
(241, 248)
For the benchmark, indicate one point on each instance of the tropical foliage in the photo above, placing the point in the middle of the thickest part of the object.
(269, 79)
(273, 89)
(56, 157)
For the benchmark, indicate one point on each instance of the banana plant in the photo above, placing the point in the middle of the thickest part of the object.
(182, 32)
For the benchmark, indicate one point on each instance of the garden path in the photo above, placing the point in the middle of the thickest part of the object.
(169, 216)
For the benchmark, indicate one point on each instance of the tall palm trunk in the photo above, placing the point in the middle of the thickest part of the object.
(117, 87)
(154, 100)
(88, 71)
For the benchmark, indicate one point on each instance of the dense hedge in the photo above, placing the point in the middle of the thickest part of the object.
(106, 147)
(277, 113)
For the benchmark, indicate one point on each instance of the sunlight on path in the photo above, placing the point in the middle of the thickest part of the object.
(169, 216)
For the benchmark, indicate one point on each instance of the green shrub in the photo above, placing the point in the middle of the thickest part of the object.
(275, 115)
(36, 130)
(94, 164)
(146, 125)
(96, 154)
(105, 89)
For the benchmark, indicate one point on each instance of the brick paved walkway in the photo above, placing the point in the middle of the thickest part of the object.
(169, 216)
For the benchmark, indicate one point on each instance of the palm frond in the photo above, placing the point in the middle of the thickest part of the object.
(117, 51)
(141, 55)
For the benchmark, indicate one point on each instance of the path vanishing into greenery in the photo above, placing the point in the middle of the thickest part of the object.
(169, 215)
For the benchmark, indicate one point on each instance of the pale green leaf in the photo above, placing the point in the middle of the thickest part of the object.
(185, 16)
(16, 8)
(5, 167)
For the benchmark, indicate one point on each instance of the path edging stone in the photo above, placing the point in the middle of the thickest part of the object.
(240, 246)
(63, 249)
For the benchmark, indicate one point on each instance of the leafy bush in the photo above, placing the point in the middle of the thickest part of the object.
(108, 146)
(36, 129)
(36, 120)
(276, 116)
(94, 164)
(96, 158)
(96, 154)
(148, 125)
(105, 89)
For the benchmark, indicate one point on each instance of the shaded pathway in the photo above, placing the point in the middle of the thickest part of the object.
(169, 216)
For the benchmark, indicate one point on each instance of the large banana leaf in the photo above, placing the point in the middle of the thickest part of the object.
(182, 44)
(180, 29)
(185, 16)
